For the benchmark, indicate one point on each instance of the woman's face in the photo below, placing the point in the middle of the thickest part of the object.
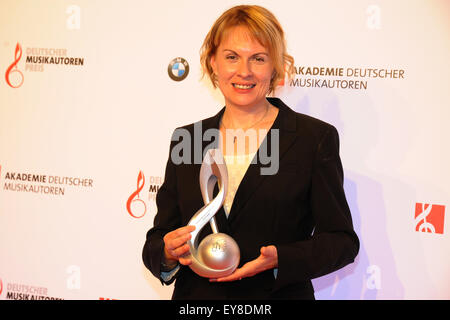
(243, 68)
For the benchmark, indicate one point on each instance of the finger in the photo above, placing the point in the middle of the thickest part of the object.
(183, 230)
(178, 232)
(247, 270)
(178, 242)
(269, 251)
(180, 251)
(185, 261)
(237, 275)
(265, 251)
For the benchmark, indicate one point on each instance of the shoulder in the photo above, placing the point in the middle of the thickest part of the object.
(317, 136)
(314, 125)
(322, 133)
(302, 124)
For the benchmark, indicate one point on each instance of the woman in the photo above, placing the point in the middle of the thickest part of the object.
(291, 225)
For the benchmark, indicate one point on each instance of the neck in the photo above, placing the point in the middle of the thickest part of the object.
(243, 117)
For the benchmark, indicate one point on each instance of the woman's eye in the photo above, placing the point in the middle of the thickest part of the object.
(231, 57)
(259, 59)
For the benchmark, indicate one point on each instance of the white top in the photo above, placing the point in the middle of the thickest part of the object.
(237, 166)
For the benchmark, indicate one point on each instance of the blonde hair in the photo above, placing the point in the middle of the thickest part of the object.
(261, 25)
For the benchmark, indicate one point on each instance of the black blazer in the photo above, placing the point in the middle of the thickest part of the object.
(301, 209)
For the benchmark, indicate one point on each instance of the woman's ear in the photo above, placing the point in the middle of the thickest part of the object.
(212, 62)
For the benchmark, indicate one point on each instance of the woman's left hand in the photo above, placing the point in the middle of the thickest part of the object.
(268, 259)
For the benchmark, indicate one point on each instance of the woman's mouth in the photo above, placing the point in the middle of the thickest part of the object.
(243, 86)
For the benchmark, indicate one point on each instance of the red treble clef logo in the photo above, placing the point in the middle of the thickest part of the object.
(17, 81)
(422, 224)
(132, 200)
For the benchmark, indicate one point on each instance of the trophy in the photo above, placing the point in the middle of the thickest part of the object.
(218, 254)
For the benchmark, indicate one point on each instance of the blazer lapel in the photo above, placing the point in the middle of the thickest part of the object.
(285, 123)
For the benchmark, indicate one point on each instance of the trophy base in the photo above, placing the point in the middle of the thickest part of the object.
(218, 256)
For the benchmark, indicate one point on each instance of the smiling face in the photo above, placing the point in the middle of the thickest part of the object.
(243, 69)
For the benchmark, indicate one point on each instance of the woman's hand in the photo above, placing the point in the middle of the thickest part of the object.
(175, 245)
(268, 259)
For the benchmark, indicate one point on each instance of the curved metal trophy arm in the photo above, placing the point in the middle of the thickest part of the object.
(218, 254)
(208, 179)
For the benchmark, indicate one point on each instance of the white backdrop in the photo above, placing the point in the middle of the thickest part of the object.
(83, 135)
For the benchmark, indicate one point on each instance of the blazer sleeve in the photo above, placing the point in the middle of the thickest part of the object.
(167, 218)
(334, 243)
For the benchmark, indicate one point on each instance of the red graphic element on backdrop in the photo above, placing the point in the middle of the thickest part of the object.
(429, 218)
(12, 69)
(1, 286)
(131, 199)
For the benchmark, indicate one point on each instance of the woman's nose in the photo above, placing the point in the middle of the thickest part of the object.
(244, 69)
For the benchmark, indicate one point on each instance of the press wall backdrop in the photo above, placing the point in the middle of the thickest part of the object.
(91, 91)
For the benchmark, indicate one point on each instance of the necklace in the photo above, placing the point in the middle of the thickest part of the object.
(245, 129)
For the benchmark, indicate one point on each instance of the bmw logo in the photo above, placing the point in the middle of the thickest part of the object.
(178, 69)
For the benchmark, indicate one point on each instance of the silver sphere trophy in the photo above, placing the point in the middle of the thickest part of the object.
(218, 254)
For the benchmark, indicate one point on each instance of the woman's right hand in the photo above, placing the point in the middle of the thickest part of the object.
(175, 245)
